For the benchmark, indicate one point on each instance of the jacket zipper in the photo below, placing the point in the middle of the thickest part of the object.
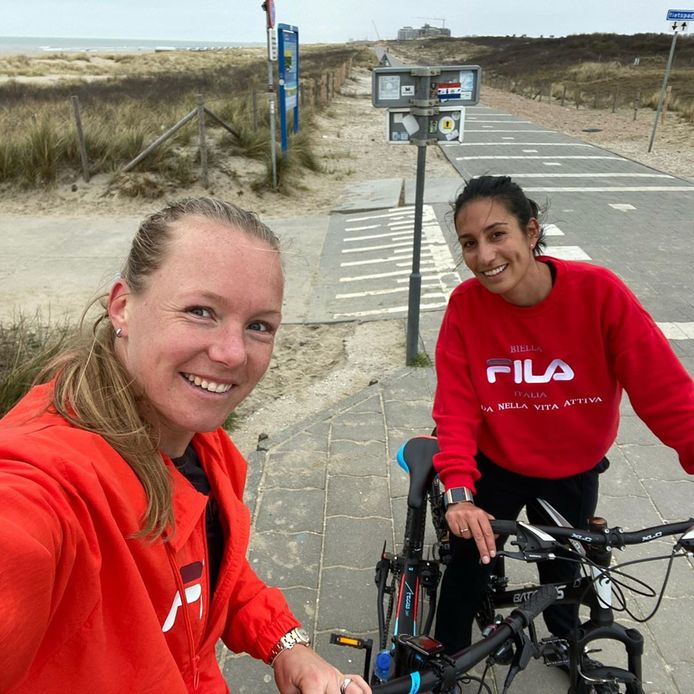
(195, 658)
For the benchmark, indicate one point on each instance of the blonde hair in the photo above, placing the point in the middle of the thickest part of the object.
(93, 391)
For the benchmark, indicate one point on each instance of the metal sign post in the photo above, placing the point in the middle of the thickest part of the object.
(425, 105)
(682, 15)
(269, 8)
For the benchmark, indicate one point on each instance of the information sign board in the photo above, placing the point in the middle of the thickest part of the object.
(288, 68)
(447, 126)
(454, 85)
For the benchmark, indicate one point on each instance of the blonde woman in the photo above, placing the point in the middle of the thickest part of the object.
(123, 533)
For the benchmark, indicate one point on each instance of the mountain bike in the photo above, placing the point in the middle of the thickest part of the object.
(409, 660)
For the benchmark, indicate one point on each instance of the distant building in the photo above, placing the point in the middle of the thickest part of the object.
(426, 31)
(407, 34)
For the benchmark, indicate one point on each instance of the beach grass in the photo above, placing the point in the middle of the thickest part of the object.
(27, 344)
(597, 70)
(128, 101)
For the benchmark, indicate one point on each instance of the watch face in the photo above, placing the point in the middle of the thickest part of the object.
(302, 634)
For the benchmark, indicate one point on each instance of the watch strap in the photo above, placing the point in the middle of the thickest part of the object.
(294, 637)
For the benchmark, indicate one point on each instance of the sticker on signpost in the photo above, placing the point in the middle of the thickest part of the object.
(448, 126)
(389, 87)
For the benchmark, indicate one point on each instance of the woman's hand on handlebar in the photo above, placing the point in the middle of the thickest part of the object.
(472, 523)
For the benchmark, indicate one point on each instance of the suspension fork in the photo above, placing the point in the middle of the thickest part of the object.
(601, 623)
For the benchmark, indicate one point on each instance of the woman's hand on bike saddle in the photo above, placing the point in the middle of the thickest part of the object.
(472, 523)
(300, 670)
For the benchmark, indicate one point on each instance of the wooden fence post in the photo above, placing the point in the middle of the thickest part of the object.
(80, 138)
(202, 141)
(614, 101)
(254, 109)
(162, 138)
(637, 102)
(563, 95)
(595, 100)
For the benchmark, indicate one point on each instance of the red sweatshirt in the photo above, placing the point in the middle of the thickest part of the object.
(537, 389)
(86, 608)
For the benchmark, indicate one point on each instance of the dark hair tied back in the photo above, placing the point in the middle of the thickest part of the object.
(509, 193)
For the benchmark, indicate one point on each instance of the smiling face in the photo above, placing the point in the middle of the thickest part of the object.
(199, 336)
(500, 252)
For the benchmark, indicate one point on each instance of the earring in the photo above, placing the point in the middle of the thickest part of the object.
(119, 332)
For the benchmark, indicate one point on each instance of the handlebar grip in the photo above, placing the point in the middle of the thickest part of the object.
(504, 527)
(541, 599)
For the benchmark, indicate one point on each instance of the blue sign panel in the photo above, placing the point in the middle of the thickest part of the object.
(680, 15)
(288, 65)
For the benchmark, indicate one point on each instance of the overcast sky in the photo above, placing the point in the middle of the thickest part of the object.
(327, 20)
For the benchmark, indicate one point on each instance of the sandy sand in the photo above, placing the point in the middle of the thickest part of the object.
(316, 366)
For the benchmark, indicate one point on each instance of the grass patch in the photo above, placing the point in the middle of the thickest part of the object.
(26, 346)
(421, 361)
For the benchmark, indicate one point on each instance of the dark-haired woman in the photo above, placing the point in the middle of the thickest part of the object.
(123, 533)
(531, 360)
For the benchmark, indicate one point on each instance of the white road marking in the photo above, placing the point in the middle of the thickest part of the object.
(616, 189)
(390, 310)
(589, 175)
(567, 252)
(404, 233)
(394, 212)
(362, 249)
(552, 163)
(482, 120)
(540, 156)
(375, 276)
(677, 331)
(363, 228)
(622, 207)
(515, 130)
(514, 144)
(552, 230)
(530, 151)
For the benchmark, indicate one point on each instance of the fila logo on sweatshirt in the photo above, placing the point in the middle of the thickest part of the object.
(522, 370)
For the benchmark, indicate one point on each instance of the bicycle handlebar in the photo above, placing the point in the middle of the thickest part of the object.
(545, 536)
(459, 663)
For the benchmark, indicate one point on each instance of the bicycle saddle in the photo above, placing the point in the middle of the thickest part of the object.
(415, 457)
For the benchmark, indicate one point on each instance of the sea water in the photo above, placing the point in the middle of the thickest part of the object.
(35, 45)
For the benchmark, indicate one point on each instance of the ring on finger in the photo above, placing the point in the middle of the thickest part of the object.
(345, 683)
(464, 530)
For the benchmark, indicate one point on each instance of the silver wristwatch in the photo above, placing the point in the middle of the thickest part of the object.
(297, 636)
(458, 494)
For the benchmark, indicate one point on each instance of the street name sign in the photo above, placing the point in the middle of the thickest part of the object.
(680, 15)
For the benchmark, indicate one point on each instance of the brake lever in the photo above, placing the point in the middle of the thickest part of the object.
(686, 542)
(533, 544)
(527, 556)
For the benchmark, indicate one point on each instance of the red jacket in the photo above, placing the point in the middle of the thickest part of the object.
(84, 607)
(537, 388)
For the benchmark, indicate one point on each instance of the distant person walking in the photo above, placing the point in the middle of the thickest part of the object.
(123, 533)
(531, 360)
